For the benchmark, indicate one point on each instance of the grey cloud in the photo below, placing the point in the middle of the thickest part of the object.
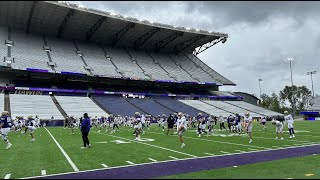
(261, 36)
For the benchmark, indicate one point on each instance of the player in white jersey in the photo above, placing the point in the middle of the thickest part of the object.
(163, 121)
(37, 120)
(137, 125)
(31, 127)
(181, 127)
(248, 125)
(279, 128)
(115, 124)
(289, 119)
(263, 122)
(143, 123)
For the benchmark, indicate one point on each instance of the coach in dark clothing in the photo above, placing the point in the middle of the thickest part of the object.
(170, 122)
(85, 128)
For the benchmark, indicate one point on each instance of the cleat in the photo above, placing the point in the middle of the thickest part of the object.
(276, 138)
(183, 145)
(290, 137)
(32, 140)
(8, 146)
(282, 138)
(83, 148)
(293, 136)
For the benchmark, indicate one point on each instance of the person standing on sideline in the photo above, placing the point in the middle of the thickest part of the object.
(5, 125)
(248, 125)
(289, 119)
(170, 122)
(85, 128)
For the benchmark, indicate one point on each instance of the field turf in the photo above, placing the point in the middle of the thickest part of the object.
(57, 151)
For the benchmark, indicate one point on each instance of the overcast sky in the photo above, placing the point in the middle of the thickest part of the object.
(261, 36)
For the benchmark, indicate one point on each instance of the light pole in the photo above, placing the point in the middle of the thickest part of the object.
(310, 73)
(290, 59)
(259, 80)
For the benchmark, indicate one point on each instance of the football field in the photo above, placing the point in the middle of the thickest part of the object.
(56, 153)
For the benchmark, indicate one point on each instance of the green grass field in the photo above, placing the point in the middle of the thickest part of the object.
(28, 159)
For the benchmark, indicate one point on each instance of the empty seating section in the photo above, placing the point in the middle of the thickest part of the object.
(195, 71)
(116, 105)
(232, 108)
(63, 53)
(150, 106)
(209, 70)
(222, 93)
(123, 62)
(41, 105)
(28, 51)
(149, 66)
(178, 106)
(254, 108)
(167, 63)
(1, 102)
(95, 58)
(3, 38)
(206, 108)
(77, 106)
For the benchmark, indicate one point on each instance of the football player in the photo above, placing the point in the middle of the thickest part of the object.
(263, 122)
(181, 127)
(5, 126)
(137, 125)
(248, 125)
(279, 128)
(289, 119)
(31, 127)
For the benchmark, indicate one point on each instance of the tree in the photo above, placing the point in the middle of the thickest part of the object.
(299, 97)
(271, 102)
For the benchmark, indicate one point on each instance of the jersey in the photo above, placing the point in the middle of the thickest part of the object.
(6, 121)
(264, 119)
(248, 121)
(181, 122)
(288, 118)
(32, 122)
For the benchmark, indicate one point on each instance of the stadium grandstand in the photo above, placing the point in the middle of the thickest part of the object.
(312, 111)
(59, 60)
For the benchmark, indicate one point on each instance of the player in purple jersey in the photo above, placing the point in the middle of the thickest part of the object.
(5, 125)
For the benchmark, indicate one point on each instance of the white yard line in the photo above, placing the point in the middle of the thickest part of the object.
(149, 145)
(43, 172)
(63, 152)
(117, 167)
(172, 157)
(239, 150)
(282, 139)
(152, 160)
(209, 154)
(253, 149)
(105, 166)
(224, 152)
(7, 176)
(223, 142)
(129, 162)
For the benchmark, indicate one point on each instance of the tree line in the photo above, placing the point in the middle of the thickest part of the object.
(298, 96)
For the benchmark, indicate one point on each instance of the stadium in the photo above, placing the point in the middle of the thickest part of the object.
(60, 60)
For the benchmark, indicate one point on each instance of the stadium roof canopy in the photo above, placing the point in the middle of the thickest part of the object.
(70, 21)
